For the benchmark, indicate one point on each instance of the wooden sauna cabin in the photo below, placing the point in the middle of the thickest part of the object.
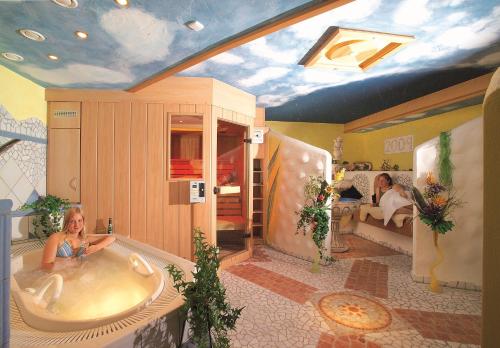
(133, 157)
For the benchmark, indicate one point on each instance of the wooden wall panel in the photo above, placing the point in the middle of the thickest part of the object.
(138, 151)
(89, 164)
(155, 176)
(185, 228)
(171, 218)
(232, 98)
(187, 108)
(121, 221)
(200, 213)
(105, 167)
(170, 196)
(64, 163)
(64, 122)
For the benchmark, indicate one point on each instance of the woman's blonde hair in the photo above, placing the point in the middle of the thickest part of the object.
(68, 215)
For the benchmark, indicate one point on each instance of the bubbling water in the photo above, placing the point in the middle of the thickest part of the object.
(96, 286)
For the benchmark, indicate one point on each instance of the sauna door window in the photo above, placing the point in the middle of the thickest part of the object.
(186, 146)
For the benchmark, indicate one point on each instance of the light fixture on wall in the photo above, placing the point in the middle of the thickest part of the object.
(12, 56)
(81, 35)
(352, 49)
(194, 25)
(31, 34)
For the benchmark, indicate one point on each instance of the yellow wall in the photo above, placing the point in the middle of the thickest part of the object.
(22, 98)
(318, 134)
(361, 147)
(370, 146)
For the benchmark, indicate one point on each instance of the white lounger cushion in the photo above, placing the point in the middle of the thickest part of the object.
(377, 213)
(390, 202)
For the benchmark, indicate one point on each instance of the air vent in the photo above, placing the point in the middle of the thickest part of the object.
(65, 113)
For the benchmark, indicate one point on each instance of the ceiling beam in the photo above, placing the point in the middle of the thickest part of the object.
(462, 91)
(270, 26)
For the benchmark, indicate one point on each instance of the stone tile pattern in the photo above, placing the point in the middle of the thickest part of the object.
(27, 156)
(359, 247)
(462, 328)
(368, 276)
(358, 341)
(277, 283)
(259, 255)
(272, 320)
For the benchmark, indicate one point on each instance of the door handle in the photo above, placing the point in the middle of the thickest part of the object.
(72, 183)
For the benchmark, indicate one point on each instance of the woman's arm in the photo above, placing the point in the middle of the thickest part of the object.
(98, 242)
(50, 251)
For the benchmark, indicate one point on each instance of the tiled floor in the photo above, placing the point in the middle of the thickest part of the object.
(285, 303)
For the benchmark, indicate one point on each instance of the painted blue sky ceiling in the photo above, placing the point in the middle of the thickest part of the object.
(125, 45)
(455, 40)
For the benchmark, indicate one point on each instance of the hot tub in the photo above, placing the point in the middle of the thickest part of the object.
(113, 297)
(93, 290)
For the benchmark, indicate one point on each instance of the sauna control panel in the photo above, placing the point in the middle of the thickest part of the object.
(197, 191)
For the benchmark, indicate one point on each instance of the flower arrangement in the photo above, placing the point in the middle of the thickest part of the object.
(315, 210)
(435, 205)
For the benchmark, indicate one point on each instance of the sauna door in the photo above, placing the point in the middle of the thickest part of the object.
(232, 189)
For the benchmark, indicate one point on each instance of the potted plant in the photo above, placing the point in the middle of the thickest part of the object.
(50, 210)
(208, 313)
(314, 213)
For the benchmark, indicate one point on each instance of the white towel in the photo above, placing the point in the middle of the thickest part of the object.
(390, 202)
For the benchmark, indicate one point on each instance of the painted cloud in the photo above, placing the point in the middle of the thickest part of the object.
(142, 37)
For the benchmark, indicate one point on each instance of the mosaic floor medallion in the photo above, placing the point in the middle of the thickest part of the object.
(355, 311)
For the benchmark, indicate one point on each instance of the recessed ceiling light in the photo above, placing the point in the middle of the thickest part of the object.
(66, 3)
(81, 35)
(122, 3)
(12, 56)
(194, 25)
(31, 34)
(52, 57)
(352, 49)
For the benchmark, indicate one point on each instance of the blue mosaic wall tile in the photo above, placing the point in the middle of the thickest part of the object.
(23, 167)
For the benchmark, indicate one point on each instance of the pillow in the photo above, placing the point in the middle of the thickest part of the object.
(351, 193)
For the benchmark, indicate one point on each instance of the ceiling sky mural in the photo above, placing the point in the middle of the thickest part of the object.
(455, 40)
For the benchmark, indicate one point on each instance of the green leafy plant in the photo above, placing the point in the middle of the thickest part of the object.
(315, 211)
(208, 313)
(50, 210)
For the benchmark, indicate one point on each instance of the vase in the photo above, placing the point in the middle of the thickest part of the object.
(315, 265)
(434, 285)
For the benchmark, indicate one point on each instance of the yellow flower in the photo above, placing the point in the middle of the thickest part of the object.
(329, 189)
(429, 180)
(339, 176)
(439, 201)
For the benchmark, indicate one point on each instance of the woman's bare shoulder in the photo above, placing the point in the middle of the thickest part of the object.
(55, 237)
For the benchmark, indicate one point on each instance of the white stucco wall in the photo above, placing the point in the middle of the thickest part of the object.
(462, 247)
(297, 162)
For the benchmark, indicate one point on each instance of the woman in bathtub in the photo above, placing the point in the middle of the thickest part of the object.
(72, 241)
